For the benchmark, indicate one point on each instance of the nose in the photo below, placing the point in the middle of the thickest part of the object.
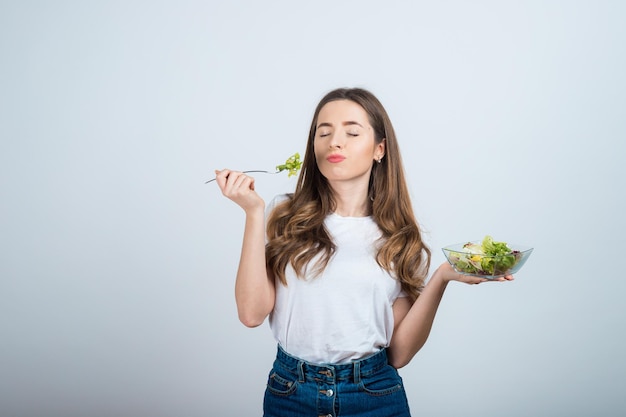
(335, 141)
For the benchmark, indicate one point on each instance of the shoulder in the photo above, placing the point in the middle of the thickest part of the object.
(276, 201)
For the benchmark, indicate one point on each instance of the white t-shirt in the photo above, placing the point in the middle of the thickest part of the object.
(345, 313)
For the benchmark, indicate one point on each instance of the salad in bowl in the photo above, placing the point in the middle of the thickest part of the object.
(487, 258)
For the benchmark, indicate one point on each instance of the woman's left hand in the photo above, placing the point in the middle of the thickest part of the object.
(449, 274)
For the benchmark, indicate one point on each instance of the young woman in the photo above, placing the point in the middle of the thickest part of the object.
(339, 267)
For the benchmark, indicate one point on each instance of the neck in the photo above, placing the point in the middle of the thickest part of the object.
(351, 201)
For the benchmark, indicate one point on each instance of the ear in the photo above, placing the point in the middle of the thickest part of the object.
(379, 150)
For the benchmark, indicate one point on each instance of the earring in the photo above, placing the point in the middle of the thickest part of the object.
(380, 159)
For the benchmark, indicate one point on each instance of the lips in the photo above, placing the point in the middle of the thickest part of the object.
(335, 158)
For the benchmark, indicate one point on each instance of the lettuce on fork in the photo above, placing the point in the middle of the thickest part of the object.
(292, 164)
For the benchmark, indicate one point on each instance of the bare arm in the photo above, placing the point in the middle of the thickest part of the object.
(254, 287)
(413, 322)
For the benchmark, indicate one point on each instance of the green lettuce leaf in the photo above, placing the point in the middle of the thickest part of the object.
(292, 164)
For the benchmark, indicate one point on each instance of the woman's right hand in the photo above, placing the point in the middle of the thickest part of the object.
(239, 188)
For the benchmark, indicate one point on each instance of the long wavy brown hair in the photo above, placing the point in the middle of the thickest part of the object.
(296, 231)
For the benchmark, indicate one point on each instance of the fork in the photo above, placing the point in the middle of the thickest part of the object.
(245, 172)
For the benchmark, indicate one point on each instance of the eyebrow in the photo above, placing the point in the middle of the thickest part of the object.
(346, 123)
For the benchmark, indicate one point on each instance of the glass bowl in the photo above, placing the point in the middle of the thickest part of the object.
(466, 262)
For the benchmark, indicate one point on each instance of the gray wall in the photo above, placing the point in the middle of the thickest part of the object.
(117, 262)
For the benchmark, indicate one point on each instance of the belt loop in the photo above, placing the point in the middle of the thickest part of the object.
(357, 372)
(300, 371)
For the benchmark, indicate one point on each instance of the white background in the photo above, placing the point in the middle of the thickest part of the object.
(117, 263)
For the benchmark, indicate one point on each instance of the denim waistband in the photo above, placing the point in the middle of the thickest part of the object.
(345, 371)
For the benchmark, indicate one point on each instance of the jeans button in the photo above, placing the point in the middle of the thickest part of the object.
(329, 393)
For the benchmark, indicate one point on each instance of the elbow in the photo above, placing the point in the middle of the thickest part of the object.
(251, 320)
(250, 323)
(399, 363)
(253, 314)
(399, 358)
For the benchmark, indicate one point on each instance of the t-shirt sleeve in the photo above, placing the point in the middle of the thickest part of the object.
(271, 206)
(402, 294)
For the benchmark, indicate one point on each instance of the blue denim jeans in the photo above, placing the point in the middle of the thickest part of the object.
(369, 387)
